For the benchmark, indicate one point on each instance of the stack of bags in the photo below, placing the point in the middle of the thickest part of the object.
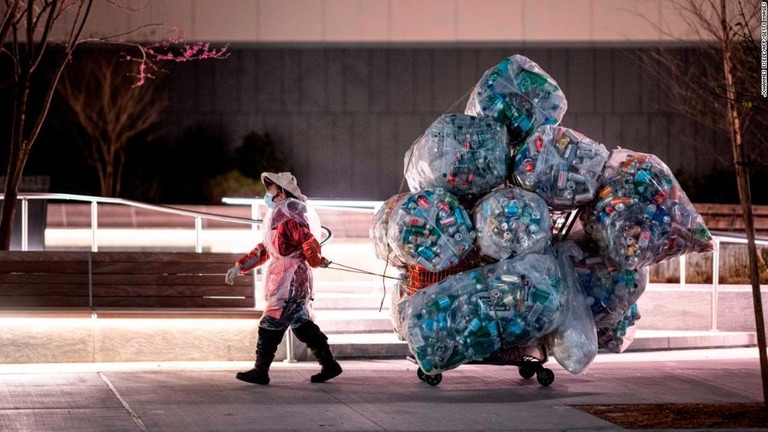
(489, 180)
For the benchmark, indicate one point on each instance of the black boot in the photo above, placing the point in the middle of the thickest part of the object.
(317, 342)
(330, 367)
(265, 353)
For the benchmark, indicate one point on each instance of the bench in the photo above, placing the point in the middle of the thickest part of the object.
(729, 217)
(121, 280)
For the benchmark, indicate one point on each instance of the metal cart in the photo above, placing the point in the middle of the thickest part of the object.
(529, 364)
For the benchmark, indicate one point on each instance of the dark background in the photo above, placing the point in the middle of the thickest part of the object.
(342, 119)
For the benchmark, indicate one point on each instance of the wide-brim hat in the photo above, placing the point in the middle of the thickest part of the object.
(285, 180)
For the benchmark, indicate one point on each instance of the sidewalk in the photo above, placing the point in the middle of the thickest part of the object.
(371, 395)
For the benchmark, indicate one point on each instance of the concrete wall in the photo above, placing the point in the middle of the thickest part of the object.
(667, 307)
(346, 115)
(333, 21)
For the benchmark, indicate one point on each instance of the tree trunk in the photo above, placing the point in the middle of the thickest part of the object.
(9, 212)
(16, 159)
(745, 196)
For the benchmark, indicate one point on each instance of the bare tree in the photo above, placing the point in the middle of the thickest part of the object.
(693, 76)
(29, 26)
(720, 89)
(111, 110)
(26, 39)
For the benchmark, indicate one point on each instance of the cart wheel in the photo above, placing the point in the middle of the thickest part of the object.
(545, 377)
(527, 372)
(433, 380)
(420, 374)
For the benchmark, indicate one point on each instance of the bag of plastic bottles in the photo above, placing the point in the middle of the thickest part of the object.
(467, 156)
(619, 337)
(641, 216)
(430, 229)
(527, 295)
(399, 311)
(468, 316)
(448, 325)
(611, 292)
(518, 93)
(510, 222)
(574, 342)
(560, 165)
(377, 231)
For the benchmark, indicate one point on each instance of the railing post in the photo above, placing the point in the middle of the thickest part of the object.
(681, 261)
(258, 294)
(24, 224)
(715, 281)
(198, 232)
(94, 225)
(256, 228)
(289, 357)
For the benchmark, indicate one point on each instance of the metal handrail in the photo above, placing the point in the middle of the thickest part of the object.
(198, 215)
(719, 237)
(346, 205)
(364, 206)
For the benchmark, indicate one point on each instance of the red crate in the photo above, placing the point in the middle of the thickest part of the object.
(419, 277)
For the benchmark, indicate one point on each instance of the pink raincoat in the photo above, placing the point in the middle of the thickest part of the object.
(290, 242)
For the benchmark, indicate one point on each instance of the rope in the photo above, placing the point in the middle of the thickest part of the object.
(350, 269)
(400, 191)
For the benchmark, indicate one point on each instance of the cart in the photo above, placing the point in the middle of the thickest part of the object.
(528, 362)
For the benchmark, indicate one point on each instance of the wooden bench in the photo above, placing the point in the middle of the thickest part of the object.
(728, 217)
(121, 280)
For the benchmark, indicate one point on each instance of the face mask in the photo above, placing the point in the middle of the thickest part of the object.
(268, 200)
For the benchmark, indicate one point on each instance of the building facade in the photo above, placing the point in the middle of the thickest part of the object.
(345, 86)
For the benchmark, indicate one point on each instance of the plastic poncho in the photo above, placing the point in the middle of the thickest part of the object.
(290, 232)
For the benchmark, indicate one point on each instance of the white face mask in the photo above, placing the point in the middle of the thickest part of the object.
(268, 200)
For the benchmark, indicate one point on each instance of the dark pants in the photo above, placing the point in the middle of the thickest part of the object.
(271, 331)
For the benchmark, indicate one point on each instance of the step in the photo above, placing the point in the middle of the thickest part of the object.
(368, 345)
(387, 344)
(362, 301)
(354, 321)
(655, 340)
(354, 287)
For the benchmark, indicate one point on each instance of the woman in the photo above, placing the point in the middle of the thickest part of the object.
(289, 241)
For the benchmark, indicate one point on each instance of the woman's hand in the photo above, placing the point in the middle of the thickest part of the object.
(231, 273)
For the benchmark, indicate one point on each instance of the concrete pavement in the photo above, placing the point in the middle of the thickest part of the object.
(371, 395)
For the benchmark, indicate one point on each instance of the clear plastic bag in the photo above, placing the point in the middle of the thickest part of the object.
(510, 222)
(641, 216)
(399, 311)
(470, 315)
(377, 231)
(449, 325)
(430, 229)
(619, 337)
(560, 165)
(467, 156)
(518, 93)
(574, 342)
(611, 292)
(527, 295)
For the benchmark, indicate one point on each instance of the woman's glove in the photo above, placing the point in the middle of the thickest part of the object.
(231, 273)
